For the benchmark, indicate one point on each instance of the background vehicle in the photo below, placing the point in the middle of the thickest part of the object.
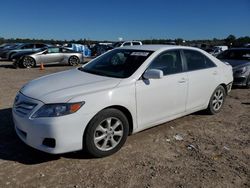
(17, 58)
(123, 91)
(239, 59)
(86, 52)
(6, 46)
(218, 49)
(51, 55)
(99, 49)
(28, 47)
(126, 43)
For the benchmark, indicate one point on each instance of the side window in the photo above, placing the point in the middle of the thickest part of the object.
(40, 45)
(53, 50)
(64, 50)
(169, 62)
(209, 63)
(127, 44)
(195, 60)
(28, 46)
(243, 55)
(136, 43)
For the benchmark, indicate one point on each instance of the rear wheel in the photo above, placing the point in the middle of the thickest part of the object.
(248, 83)
(28, 62)
(74, 60)
(217, 100)
(106, 133)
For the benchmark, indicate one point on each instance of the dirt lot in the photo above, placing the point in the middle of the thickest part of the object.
(214, 152)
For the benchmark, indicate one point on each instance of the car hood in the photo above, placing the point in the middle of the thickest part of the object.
(63, 86)
(235, 63)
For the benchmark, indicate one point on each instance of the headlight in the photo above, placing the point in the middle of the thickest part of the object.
(241, 70)
(56, 110)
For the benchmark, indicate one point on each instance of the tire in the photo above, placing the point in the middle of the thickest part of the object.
(248, 83)
(74, 61)
(28, 62)
(217, 100)
(106, 133)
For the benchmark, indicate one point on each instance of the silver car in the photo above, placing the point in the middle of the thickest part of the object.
(239, 59)
(51, 55)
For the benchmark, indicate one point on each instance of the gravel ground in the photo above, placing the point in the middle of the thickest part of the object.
(198, 150)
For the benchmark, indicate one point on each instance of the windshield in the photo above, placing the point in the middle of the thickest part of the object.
(117, 44)
(119, 63)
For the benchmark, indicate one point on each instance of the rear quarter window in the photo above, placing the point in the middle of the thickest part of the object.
(196, 60)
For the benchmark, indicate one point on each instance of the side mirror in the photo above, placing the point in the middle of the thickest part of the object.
(153, 74)
(45, 52)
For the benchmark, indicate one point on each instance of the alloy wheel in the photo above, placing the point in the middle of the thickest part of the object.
(108, 134)
(218, 100)
(28, 62)
(73, 61)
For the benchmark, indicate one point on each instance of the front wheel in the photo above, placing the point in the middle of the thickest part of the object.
(217, 100)
(28, 62)
(74, 60)
(106, 133)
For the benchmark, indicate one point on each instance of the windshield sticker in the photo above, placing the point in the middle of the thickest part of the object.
(139, 54)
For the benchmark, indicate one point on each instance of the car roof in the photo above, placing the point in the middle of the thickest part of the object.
(158, 47)
(239, 49)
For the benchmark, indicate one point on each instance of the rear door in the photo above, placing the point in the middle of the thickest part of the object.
(28, 47)
(202, 79)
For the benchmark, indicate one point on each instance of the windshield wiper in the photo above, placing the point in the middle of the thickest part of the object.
(92, 72)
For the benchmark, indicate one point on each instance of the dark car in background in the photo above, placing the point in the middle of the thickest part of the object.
(99, 49)
(6, 46)
(239, 59)
(21, 47)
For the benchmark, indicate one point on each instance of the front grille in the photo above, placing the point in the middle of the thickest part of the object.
(239, 79)
(24, 107)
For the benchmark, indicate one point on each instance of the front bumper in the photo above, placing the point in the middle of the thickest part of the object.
(66, 131)
(240, 81)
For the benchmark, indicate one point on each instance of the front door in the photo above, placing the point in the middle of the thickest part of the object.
(53, 55)
(161, 99)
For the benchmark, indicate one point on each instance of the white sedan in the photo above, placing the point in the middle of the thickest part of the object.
(124, 91)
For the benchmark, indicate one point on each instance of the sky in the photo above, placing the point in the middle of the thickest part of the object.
(129, 19)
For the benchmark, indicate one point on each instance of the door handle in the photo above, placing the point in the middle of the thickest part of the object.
(183, 80)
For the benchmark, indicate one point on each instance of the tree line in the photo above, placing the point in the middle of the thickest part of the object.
(231, 40)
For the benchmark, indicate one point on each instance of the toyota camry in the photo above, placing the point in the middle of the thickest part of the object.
(124, 91)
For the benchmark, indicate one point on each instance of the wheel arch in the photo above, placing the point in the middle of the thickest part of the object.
(221, 84)
(22, 58)
(124, 110)
(224, 86)
(127, 113)
(11, 53)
